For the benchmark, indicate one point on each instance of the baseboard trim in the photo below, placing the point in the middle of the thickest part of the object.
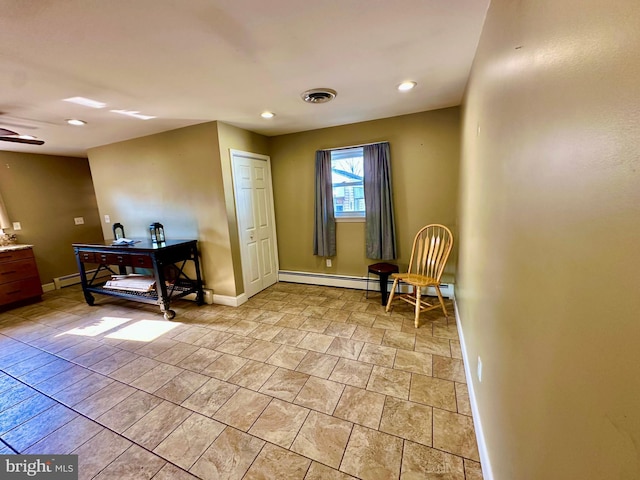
(345, 281)
(487, 472)
(48, 287)
(229, 300)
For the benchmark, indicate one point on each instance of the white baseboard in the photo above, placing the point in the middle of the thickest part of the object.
(230, 301)
(344, 281)
(487, 472)
(48, 287)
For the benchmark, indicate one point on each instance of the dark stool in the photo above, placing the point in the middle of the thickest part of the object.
(383, 270)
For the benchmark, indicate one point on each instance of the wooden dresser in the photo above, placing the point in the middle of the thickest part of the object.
(19, 279)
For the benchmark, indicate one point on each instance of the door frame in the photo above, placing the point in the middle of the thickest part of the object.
(233, 154)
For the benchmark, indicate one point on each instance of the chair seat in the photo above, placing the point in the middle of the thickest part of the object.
(415, 279)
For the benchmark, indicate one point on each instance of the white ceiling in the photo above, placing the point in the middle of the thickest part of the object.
(195, 61)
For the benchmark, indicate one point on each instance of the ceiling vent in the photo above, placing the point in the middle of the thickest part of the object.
(319, 95)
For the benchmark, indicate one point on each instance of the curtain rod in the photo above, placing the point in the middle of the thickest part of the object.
(354, 146)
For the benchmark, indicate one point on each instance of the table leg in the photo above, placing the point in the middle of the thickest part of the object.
(383, 287)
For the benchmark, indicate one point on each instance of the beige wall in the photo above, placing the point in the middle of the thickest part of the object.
(174, 178)
(548, 282)
(45, 193)
(424, 163)
(182, 179)
(231, 137)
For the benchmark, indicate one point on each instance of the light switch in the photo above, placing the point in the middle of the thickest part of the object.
(17, 226)
(79, 220)
(107, 219)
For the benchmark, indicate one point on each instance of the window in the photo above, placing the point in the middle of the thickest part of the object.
(347, 172)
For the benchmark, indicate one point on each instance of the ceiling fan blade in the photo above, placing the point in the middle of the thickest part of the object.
(29, 141)
(4, 131)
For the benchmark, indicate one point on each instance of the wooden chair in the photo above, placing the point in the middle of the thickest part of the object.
(429, 255)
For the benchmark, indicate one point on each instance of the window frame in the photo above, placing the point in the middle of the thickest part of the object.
(346, 153)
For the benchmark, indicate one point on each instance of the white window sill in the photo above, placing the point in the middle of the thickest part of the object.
(351, 219)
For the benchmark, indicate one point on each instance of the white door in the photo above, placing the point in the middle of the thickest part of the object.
(254, 210)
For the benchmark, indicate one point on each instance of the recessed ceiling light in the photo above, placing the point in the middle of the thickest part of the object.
(134, 114)
(86, 102)
(75, 121)
(267, 114)
(406, 86)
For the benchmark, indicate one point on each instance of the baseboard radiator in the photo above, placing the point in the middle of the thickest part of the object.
(74, 278)
(345, 281)
(309, 278)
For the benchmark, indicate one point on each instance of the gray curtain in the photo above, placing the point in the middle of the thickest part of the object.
(324, 232)
(378, 199)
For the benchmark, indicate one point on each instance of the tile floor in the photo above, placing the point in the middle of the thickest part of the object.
(301, 382)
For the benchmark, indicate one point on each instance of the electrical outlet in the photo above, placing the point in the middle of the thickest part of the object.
(479, 369)
(328, 262)
(78, 220)
(17, 226)
(107, 219)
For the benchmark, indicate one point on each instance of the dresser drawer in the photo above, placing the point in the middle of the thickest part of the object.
(111, 258)
(13, 255)
(101, 258)
(124, 260)
(88, 257)
(20, 290)
(142, 261)
(12, 271)
(117, 259)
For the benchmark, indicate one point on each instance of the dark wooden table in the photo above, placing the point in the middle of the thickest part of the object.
(383, 270)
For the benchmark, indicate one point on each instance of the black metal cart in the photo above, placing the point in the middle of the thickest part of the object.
(167, 262)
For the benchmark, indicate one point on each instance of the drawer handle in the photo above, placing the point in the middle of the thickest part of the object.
(9, 273)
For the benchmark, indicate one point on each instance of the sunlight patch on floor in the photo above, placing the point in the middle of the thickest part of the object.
(103, 325)
(144, 330)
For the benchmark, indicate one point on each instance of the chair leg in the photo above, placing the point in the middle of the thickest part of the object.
(418, 292)
(393, 292)
(444, 309)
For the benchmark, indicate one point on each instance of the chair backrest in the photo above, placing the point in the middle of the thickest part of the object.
(430, 252)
